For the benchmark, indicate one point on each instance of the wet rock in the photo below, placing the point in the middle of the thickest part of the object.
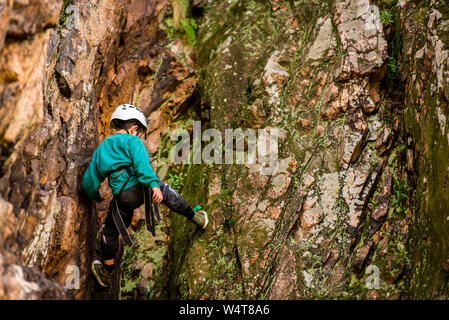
(47, 113)
(361, 256)
(7, 220)
(147, 270)
(22, 283)
(308, 180)
(32, 17)
(311, 217)
(23, 70)
(142, 288)
(378, 215)
(324, 41)
(5, 14)
(359, 148)
(361, 35)
(330, 258)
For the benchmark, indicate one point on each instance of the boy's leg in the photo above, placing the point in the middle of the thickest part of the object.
(102, 269)
(177, 203)
(129, 200)
(109, 239)
(174, 201)
(109, 234)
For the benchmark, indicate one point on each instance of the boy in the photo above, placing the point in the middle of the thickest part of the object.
(125, 160)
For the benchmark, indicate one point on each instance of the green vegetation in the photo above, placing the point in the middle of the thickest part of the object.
(387, 17)
(175, 181)
(393, 68)
(187, 30)
(190, 28)
(181, 25)
(143, 267)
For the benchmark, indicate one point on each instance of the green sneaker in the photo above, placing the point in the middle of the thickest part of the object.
(200, 219)
(102, 275)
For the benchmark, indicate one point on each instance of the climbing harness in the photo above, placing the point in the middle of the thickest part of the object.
(139, 50)
(150, 215)
(151, 208)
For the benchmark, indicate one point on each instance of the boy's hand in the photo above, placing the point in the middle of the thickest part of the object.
(157, 195)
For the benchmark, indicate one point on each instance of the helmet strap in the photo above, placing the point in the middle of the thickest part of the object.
(140, 130)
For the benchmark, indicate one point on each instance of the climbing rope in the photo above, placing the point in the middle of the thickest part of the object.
(139, 50)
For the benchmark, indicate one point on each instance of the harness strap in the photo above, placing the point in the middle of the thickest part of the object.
(120, 224)
(156, 211)
(121, 227)
(151, 210)
(128, 171)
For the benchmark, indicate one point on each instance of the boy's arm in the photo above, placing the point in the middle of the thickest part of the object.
(141, 164)
(91, 182)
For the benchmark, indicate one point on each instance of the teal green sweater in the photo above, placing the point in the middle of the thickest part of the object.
(115, 151)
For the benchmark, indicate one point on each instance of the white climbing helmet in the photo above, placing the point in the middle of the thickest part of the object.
(128, 112)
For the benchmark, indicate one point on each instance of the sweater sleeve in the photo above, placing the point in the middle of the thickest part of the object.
(91, 181)
(141, 164)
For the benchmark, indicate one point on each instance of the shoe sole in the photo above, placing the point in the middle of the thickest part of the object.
(207, 220)
(97, 277)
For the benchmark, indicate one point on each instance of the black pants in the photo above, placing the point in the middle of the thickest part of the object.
(129, 200)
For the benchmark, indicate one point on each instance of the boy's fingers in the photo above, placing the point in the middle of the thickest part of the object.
(157, 197)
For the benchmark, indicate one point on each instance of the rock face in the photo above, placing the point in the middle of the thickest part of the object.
(424, 31)
(356, 90)
(314, 71)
